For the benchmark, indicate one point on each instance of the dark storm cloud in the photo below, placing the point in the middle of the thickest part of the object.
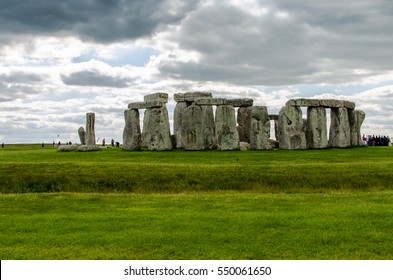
(93, 78)
(293, 42)
(97, 20)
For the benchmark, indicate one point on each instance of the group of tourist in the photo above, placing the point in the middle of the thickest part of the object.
(372, 140)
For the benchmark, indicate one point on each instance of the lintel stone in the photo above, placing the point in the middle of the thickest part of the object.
(158, 96)
(191, 96)
(327, 103)
(241, 102)
(137, 105)
(211, 101)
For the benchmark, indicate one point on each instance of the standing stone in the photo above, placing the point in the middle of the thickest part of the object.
(90, 133)
(156, 129)
(178, 119)
(82, 135)
(226, 132)
(260, 128)
(356, 118)
(340, 134)
(291, 133)
(198, 128)
(132, 130)
(209, 126)
(244, 123)
(193, 131)
(316, 128)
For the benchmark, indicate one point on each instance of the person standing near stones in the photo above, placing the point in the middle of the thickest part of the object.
(103, 142)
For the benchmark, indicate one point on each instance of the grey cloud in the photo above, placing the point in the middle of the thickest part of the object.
(21, 78)
(318, 42)
(92, 78)
(96, 20)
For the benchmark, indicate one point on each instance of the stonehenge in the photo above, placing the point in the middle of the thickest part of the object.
(344, 130)
(156, 129)
(202, 122)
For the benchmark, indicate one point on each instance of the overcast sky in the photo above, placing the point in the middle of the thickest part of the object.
(62, 59)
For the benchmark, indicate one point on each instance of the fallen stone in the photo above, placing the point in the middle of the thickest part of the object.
(88, 148)
(67, 148)
(274, 143)
(244, 146)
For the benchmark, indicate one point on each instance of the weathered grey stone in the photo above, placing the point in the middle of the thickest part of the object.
(90, 132)
(158, 96)
(240, 102)
(291, 132)
(274, 143)
(349, 104)
(193, 130)
(209, 125)
(331, 103)
(339, 135)
(273, 117)
(137, 105)
(132, 131)
(226, 132)
(178, 118)
(327, 103)
(211, 101)
(244, 123)
(191, 96)
(67, 148)
(198, 128)
(244, 146)
(154, 104)
(356, 118)
(156, 130)
(260, 128)
(88, 148)
(316, 128)
(82, 135)
(302, 102)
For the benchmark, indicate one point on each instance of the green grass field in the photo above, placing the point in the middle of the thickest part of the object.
(111, 204)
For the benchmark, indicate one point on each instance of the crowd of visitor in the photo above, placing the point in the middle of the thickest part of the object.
(372, 140)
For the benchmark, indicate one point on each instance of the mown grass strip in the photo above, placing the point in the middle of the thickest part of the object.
(112, 170)
(197, 226)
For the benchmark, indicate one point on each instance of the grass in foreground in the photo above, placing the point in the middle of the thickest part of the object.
(27, 168)
(197, 226)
